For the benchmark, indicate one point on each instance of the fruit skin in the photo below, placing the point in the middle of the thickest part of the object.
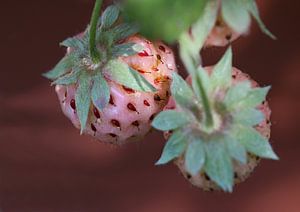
(242, 171)
(221, 35)
(129, 114)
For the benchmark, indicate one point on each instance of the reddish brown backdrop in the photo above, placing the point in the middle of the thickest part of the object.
(46, 166)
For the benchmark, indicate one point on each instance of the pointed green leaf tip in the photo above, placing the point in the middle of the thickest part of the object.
(83, 99)
(218, 165)
(170, 120)
(123, 74)
(100, 92)
(109, 16)
(194, 156)
(221, 75)
(173, 148)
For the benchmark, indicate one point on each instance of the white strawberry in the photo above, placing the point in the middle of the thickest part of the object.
(215, 141)
(115, 98)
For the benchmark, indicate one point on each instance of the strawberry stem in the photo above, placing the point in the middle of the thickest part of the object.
(94, 53)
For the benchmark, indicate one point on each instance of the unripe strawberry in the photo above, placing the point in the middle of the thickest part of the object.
(116, 98)
(217, 126)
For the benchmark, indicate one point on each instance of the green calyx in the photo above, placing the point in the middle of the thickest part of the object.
(93, 60)
(212, 148)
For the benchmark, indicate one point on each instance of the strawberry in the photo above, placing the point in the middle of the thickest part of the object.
(116, 97)
(222, 22)
(221, 147)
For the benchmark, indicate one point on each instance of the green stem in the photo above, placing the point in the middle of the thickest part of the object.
(94, 53)
(191, 65)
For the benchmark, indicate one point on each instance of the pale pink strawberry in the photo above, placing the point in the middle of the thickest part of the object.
(242, 171)
(129, 113)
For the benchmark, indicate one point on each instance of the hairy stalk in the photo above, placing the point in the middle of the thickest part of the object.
(191, 65)
(94, 53)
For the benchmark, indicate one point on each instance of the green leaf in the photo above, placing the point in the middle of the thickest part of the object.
(236, 94)
(182, 92)
(109, 16)
(254, 142)
(218, 164)
(126, 49)
(68, 79)
(164, 19)
(249, 117)
(173, 148)
(236, 15)
(221, 75)
(74, 42)
(123, 31)
(64, 66)
(235, 149)
(252, 8)
(100, 92)
(255, 97)
(83, 99)
(194, 156)
(121, 73)
(169, 120)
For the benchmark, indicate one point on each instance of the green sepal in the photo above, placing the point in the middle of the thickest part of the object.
(248, 117)
(174, 147)
(236, 94)
(194, 156)
(126, 49)
(170, 120)
(255, 97)
(75, 43)
(123, 31)
(109, 16)
(252, 8)
(221, 74)
(83, 99)
(100, 91)
(121, 73)
(218, 164)
(69, 78)
(201, 83)
(182, 93)
(63, 66)
(236, 15)
(235, 149)
(254, 142)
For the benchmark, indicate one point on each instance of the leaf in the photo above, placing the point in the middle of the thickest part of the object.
(236, 15)
(123, 31)
(126, 49)
(218, 164)
(100, 92)
(254, 142)
(83, 99)
(68, 79)
(252, 8)
(236, 94)
(194, 156)
(248, 117)
(235, 149)
(169, 120)
(121, 73)
(255, 97)
(173, 148)
(182, 92)
(109, 16)
(63, 67)
(74, 42)
(164, 19)
(221, 74)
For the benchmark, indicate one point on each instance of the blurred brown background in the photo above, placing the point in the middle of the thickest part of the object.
(46, 166)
